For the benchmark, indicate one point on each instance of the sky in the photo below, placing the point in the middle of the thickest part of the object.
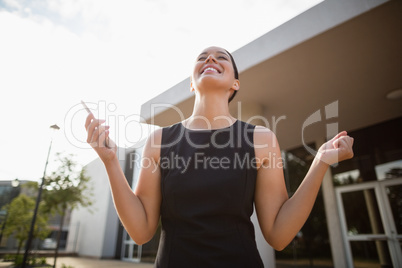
(114, 55)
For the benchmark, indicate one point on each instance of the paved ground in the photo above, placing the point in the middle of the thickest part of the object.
(79, 262)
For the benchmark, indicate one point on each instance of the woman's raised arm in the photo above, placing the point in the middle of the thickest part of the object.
(139, 210)
(280, 217)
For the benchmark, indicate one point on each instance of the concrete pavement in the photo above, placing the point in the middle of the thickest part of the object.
(80, 262)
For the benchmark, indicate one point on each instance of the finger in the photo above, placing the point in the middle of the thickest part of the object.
(340, 134)
(338, 143)
(346, 148)
(103, 137)
(108, 141)
(348, 141)
(92, 127)
(90, 117)
(342, 144)
(95, 139)
(335, 144)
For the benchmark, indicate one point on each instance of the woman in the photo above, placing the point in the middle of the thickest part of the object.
(212, 169)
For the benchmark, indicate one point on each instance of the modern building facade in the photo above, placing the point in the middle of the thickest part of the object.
(335, 67)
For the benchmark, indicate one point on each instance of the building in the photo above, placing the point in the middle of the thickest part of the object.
(336, 66)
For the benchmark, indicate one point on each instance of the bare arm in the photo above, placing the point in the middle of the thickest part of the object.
(281, 218)
(139, 211)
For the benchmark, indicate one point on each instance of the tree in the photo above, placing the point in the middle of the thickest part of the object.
(66, 189)
(8, 194)
(20, 212)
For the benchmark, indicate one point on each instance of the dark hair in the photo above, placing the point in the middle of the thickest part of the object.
(236, 74)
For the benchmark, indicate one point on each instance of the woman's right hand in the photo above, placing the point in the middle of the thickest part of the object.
(98, 138)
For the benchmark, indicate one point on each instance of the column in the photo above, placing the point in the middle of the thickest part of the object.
(333, 220)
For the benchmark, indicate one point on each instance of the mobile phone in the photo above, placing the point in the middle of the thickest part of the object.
(86, 107)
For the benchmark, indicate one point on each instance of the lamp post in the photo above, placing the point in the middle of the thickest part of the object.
(31, 231)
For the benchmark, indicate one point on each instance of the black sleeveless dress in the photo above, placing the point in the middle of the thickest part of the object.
(208, 180)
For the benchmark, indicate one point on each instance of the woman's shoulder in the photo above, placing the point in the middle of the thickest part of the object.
(157, 133)
(172, 127)
(257, 128)
(264, 136)
(154, 139)
(260, 135)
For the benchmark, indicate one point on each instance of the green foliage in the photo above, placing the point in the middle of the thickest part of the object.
(42, 260)
(65, 266)
(18, 259)
(64, 190)
(20, 213)
(8, 257)
(67, 187)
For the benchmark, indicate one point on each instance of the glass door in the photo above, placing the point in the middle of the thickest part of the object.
(392, 194)
(131, 251)
(371, 221)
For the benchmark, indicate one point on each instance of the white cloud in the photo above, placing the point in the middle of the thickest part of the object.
(13, 4)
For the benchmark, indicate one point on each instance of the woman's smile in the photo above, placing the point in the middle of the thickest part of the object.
(210, 69)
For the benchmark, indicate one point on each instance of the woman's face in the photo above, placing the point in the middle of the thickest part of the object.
(214, 69)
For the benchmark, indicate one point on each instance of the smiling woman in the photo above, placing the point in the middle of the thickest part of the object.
(212, 170)
(222, 55)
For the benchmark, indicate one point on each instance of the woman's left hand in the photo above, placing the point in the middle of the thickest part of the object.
(337, 149)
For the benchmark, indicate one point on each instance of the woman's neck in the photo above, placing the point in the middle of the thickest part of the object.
(210, 111)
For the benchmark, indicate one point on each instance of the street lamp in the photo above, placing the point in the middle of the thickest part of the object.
(30, 236)
(15, 183)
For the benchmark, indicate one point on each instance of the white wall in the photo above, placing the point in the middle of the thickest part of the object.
(95, 234)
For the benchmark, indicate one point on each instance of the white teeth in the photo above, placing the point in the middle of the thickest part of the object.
(211, 69)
